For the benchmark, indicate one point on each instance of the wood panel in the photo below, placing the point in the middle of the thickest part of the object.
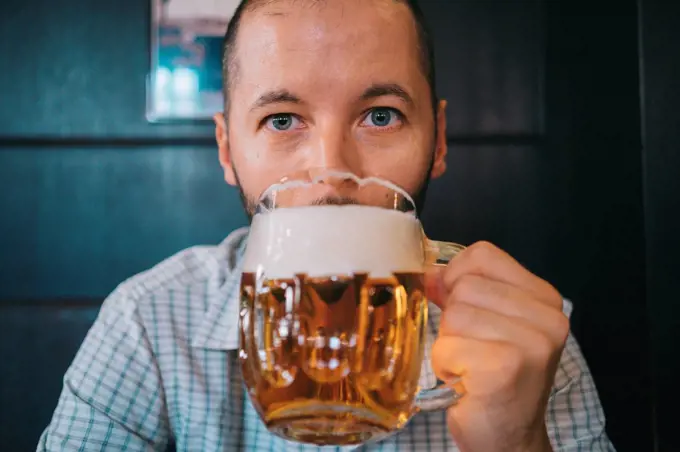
(76, 222)
(494, 193)
(593, 124)
(490, 58)
(660, 71)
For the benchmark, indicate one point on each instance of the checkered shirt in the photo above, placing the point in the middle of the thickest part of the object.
(159, 368)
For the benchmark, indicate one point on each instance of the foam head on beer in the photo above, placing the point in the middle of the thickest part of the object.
(331, 240)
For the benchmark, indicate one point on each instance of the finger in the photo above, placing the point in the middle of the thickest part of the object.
(509, 301)
(467, 321)
(482, 367)
(485, 259)
(434, 286)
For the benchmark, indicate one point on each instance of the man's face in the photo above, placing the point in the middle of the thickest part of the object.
(334, 84)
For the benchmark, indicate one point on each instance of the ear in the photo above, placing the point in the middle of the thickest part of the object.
(441, 146)
(223, 148)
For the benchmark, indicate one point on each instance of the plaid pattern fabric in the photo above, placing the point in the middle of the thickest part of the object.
(159, 367)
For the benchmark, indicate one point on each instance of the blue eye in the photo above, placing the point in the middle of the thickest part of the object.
(282, 122)
(382, 117)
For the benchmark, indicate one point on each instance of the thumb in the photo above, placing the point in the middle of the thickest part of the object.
(434, 286)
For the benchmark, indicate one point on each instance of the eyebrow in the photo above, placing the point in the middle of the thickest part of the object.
(276, 97)
(387, 89)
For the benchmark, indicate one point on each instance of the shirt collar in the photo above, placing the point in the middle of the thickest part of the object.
(219, 328)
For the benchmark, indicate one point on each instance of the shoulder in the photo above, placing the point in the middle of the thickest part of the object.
(191, 266)
(180, 287)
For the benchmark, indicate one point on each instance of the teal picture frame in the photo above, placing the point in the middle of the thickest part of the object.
(185, 79)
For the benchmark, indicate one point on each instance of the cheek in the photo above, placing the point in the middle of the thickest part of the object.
(402, 157)
(406, 165)
(255, 179)
(255, 171)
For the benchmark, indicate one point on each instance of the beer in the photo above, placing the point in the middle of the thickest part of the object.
(332, 321)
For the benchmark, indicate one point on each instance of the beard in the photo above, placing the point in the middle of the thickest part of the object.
(249, 203)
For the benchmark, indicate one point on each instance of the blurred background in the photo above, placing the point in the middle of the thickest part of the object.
(564, 133)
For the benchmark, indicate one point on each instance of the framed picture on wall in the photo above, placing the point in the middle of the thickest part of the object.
(185, 78)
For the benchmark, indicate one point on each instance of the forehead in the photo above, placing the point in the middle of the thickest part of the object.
(330, 44)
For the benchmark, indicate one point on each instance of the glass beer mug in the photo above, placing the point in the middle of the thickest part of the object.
(333, 309)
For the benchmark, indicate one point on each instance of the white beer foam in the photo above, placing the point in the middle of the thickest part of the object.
(334, 240)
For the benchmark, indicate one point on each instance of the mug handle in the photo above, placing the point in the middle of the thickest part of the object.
(443, 395)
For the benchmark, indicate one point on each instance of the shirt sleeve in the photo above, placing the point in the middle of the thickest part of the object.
(574, 416)
(112, 397)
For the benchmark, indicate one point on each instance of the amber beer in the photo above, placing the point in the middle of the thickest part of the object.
(332, 321)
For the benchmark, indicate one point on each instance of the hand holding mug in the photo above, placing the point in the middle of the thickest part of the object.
(502, 333)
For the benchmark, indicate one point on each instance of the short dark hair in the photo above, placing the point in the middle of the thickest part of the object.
(425, 45)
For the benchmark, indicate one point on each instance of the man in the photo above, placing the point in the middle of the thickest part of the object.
(343, 84)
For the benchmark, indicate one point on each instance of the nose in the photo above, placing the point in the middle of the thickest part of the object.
(333, 149)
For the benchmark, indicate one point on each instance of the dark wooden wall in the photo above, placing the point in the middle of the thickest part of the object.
(545, 160)
(660, 69)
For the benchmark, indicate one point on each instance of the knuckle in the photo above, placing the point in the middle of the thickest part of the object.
(482, 248)
(542, 348)
(480, 252)
(463, 289)
(460, 317)
(554, 296)
(562, 328)
(485, 244)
